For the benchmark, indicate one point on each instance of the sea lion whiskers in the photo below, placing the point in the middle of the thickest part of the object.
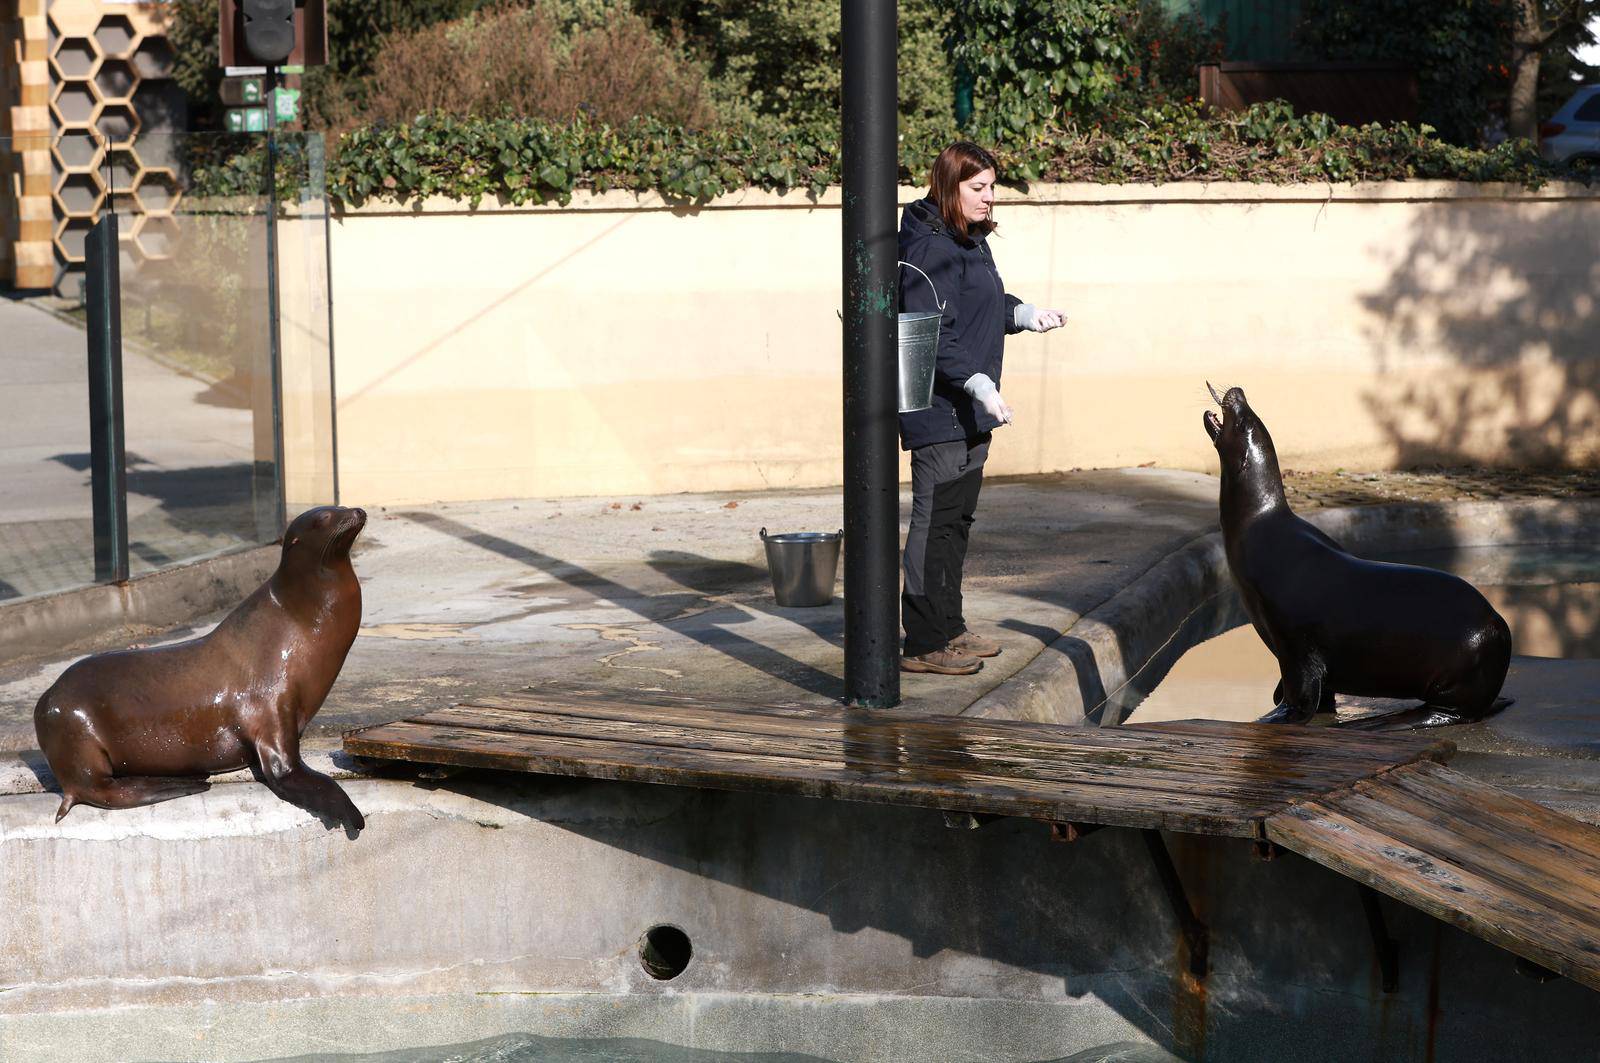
(1214, 396)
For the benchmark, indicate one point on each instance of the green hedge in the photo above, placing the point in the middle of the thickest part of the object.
(523, 161)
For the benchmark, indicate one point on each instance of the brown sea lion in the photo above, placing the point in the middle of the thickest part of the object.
(1337, 623)
(135, 727)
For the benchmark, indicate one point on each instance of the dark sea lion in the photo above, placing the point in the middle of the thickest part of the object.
(1338, 623)
(139, 726)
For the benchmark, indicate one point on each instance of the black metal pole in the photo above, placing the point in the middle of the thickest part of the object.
(108, 465)
(871, 497)
(280, 517)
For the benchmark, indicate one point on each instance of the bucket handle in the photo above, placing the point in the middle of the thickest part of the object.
(839, 533)
(930, 284)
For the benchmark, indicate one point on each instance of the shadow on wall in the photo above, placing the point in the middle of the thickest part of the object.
(1510, 297)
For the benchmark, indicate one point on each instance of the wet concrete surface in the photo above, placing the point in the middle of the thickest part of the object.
(672, 593)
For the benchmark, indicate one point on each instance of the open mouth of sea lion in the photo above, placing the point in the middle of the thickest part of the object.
(1213, 423)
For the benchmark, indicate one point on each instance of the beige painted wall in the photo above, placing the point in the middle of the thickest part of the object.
(620, 346)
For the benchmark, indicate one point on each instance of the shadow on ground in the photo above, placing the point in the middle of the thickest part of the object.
(679, 612)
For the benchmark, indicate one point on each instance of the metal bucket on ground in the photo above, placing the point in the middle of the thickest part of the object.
(803, 565)
(918, 352)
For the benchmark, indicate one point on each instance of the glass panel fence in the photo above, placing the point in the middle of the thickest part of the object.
(222, 438)
(51, 190)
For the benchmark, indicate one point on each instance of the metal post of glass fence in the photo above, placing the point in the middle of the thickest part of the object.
(280, 517)
(108, 464)
(317, 150)
(870, 163)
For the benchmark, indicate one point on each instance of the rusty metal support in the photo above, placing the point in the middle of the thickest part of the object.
(1071, 832)
(1195, 933)
(1386, 948)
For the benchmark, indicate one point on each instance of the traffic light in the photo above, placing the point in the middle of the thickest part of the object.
(256, 33)
(268, 30)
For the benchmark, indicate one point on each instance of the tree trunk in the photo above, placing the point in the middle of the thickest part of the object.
(1527, 48)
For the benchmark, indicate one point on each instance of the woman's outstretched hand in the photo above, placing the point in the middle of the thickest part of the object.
(1037, 319)
(983, 392)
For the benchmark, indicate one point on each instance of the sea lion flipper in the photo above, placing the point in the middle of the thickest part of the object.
(1424, 715)
(1404, 719)
(129, 792)
(294, 782)
(1299, 695)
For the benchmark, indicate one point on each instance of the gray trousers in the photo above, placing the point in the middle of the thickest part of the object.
(945, 481)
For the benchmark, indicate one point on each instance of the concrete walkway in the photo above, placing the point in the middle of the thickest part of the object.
(673, 593)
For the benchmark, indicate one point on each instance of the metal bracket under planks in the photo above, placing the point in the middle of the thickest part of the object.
(1379, 808)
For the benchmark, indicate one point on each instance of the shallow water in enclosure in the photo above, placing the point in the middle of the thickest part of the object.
(527, 1048)
(1550, 595)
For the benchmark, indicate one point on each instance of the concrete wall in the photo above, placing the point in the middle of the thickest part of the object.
(623, 346)
(231, 926)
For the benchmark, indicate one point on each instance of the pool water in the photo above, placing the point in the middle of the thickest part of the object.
(1550, 595)
(528, 1048)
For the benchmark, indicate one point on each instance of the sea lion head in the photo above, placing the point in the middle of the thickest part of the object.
(321, 538)
(1243, 444)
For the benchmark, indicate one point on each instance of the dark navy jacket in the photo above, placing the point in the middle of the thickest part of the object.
(978, 314)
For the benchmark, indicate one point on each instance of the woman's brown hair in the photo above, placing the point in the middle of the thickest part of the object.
(955, 164)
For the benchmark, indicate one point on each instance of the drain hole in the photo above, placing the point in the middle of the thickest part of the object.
(664, 951)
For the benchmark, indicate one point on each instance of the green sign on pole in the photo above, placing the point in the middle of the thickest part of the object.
(288, 105)
(241, 92)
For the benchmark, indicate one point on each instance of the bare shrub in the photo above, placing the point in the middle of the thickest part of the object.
(514, 60)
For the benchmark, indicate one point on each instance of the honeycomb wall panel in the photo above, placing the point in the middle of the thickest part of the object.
(89, 79)
(27, 215)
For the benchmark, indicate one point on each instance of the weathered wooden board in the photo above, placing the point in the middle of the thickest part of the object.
(1512, 872)
(1200, 777)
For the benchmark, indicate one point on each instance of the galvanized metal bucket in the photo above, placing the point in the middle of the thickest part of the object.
(919, 351)
(803, 566)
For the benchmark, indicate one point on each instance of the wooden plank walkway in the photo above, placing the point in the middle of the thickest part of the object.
(1380, 809)
(1512, 872)
(1200, 777)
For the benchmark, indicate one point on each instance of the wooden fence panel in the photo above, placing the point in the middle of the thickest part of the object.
(1353, 93)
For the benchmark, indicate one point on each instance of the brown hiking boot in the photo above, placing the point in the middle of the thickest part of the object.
(941, 662)
(974, 645)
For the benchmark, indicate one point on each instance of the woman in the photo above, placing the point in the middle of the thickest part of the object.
(944, 236)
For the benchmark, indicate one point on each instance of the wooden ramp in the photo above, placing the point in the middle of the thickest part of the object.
(1508, 870)
(1198, 777)
(1377, 808)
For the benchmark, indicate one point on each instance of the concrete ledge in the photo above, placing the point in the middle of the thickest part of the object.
(46, 623)
(1135, 634)
(1081, 193)
(1073, 677)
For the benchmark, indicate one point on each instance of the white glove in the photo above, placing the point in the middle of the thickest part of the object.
(983, 391)
(1031, 317)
